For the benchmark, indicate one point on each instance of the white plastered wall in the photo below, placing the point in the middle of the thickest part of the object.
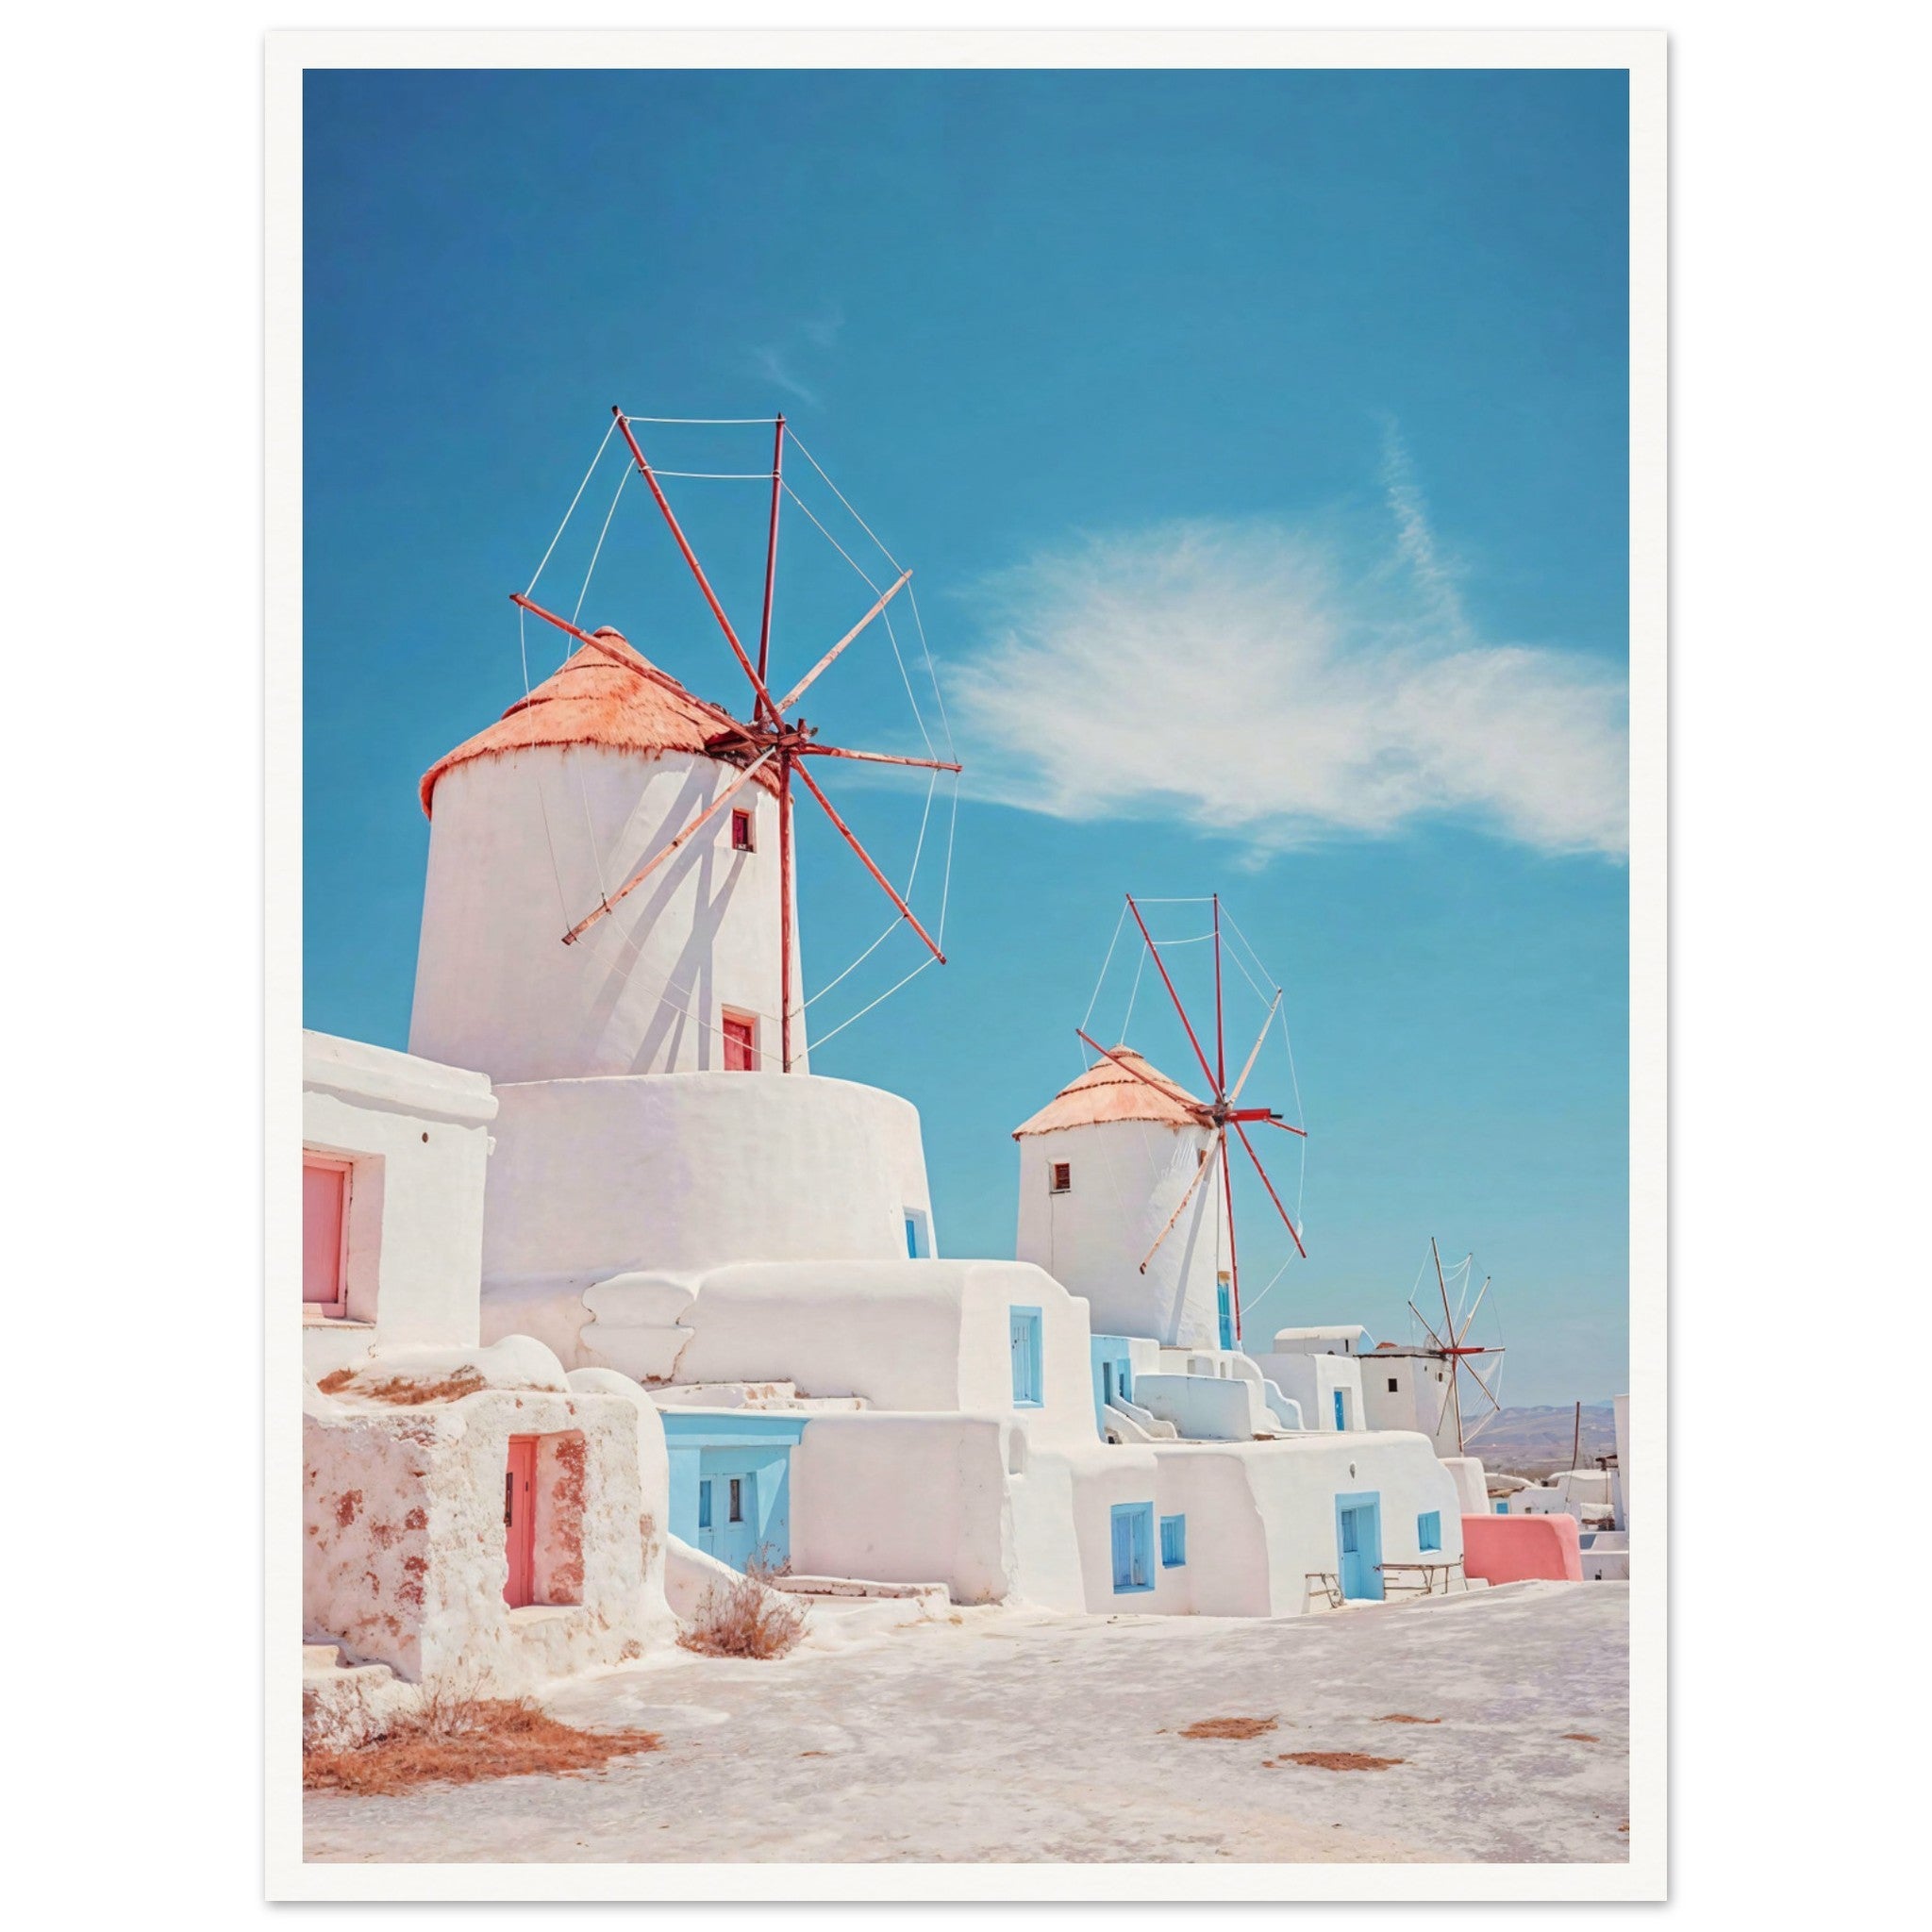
(524, 844)
(402, 1546)
(1128, 1178)
(417, 1137)
(644, 1183)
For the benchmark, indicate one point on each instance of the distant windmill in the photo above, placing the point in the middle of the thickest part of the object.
(1452, 1346)
(1218, 1114)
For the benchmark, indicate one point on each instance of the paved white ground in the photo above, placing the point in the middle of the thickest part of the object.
(1010, 1736)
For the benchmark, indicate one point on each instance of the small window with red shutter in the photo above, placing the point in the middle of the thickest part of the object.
(741, 1044)
(742, 831)
(1061, 1177)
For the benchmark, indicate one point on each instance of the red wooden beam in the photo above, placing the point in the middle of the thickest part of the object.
(772, 549)
(865, 859)
(1286, 1128)
(1220, 1034)
(798, 690)
(658, 859)
(563, 623)
(784, 899)
(1173, 996)
(697, 570)
(874, 758)
(1165, 1087)
(1270, 1186)
(1234, 1266)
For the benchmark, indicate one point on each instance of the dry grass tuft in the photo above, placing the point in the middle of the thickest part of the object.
(1229, 1727)
(405, 1392)
(1583, 1737)
(1401, 1716)
(456, 1737)
(746, 1617)
(1338, 1760)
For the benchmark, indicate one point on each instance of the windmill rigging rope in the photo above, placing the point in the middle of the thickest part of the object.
(931, 670)
(530, 587)
(863, 1010)
(841, 496)
(898, 919)
(1086, 1018)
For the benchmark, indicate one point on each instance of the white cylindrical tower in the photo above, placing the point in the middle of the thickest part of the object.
(537, 821)
(1102, 1169)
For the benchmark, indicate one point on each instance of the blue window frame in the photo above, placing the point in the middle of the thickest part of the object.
(1133, 1547)
(1341, 1413)
(1174, 1541)
(1502, 1508)
(703, 1506)
(1224, 1312)
(1428, 1531)
(917, 1235)
(1023, 1325)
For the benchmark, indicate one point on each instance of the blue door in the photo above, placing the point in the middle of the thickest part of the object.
(729, 1515)
(1358, 1539)
(1340, 1414)
(1225, 1312)
(1133, 1547)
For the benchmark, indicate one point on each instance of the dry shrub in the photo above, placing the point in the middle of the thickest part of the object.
(1229, 1727)
(1583, 1737)
(458, 1736)
(1338, 1760)
(1401, 1716)
(746, 1617)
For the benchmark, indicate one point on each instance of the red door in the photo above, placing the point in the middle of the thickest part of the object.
(520, 1522)
(740, 1054)
(325, 1203)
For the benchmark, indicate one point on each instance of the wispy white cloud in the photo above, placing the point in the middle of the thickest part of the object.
(778, 362)
(1282, 683)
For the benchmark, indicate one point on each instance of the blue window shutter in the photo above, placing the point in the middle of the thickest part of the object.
(1340, 1421)
(1174, 1541)
(705, 1505)
(911, 1239)
(1122, 1552)
(1428, 1531)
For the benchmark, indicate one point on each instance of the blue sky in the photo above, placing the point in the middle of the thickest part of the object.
(1258, 441)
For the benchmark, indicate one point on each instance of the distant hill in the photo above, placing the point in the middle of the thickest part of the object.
(1533, 1442)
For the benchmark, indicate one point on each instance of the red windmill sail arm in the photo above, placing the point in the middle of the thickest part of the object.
(1160, 1087)
(784, 906)
(1235, 1092)
(1220, 1031)
(871, 757)
(697, 570)
(1234, 1266)
(1272, 1121)
(798, 690)
(771, 547)
(1178, 1211)
(1270, 1186)
(1206, 1069)
(804, 778)
(658, 859)
(563, 623)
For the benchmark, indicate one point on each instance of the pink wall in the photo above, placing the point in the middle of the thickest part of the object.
(1508, 1549)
